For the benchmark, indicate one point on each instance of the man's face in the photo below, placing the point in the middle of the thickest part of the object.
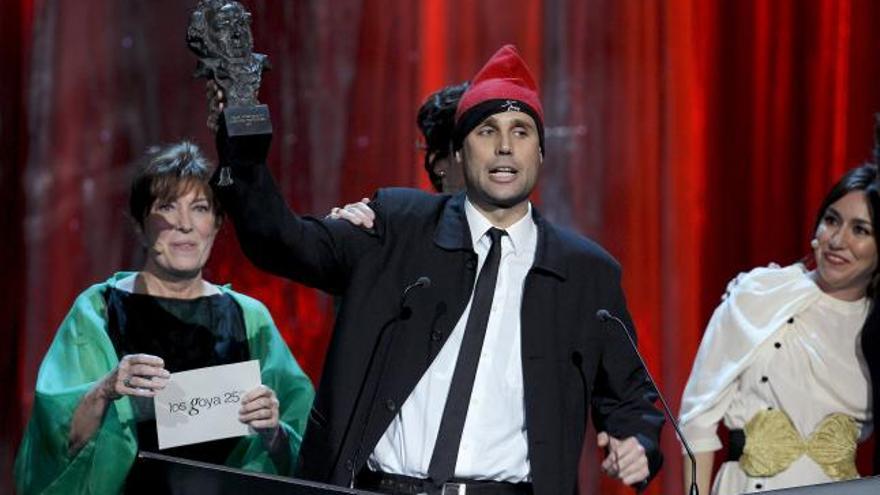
(230, 31)
(502, 159)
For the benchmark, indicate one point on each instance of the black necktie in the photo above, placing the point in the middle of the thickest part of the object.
(445, 455)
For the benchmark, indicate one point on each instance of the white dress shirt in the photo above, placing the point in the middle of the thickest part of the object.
(494, 443)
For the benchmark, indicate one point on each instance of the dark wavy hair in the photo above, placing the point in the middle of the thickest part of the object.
(863, 178)
(167, 172)
(436, 120)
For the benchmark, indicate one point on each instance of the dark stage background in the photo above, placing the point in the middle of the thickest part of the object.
(692, 138)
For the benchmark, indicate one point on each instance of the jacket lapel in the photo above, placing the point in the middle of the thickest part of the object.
(452, 232)
(549, 257)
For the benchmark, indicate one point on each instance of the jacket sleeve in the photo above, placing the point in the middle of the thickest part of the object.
(280, 372)
(319, 253)
(623, 397)
(80, 354)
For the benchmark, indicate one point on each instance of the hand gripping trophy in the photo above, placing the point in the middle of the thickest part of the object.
(219, 34)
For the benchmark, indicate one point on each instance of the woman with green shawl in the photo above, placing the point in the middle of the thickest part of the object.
(123, 338)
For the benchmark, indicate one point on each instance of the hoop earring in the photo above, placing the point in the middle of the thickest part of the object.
(814, 243)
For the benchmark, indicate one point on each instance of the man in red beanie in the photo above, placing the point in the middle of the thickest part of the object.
(466, 354)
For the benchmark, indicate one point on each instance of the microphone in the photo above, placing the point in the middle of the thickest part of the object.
(422, 282)
(604, 316)
(403, 313)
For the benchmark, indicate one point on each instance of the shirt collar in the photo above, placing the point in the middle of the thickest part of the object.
(523, 234)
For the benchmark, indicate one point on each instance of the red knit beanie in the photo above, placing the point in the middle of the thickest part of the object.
(504, 84)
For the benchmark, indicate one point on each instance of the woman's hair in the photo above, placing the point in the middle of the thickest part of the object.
(864, 179)
(166, 173)
(436, 120)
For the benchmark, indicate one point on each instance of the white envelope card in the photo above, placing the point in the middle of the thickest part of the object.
(202, 404)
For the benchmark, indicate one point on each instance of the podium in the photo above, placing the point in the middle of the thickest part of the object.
(162, 474)
(862, 486)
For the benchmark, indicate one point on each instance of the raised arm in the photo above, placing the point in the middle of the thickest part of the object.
(317, 252)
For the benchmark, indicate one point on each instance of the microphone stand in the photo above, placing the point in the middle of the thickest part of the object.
(403, 313)
(603, 316)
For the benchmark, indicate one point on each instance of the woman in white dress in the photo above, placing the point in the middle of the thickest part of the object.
(781, 363)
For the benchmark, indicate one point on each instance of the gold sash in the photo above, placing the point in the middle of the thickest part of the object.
(773, 444)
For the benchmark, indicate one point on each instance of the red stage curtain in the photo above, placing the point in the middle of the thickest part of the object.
(693, 139)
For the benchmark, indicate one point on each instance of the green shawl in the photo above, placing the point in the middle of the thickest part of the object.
(81, 354)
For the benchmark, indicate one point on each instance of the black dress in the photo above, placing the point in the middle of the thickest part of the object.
(187, 334)
(871, 351)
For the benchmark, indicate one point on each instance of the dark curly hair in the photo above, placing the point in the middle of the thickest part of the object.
(436, 120)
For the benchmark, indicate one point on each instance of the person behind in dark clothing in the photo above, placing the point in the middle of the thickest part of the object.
(436, 121)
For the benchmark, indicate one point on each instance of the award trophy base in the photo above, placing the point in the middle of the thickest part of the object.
(247, 120)
(243, 138)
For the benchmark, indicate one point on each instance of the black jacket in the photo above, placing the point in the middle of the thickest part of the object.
(569, 358)
(871, 351)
